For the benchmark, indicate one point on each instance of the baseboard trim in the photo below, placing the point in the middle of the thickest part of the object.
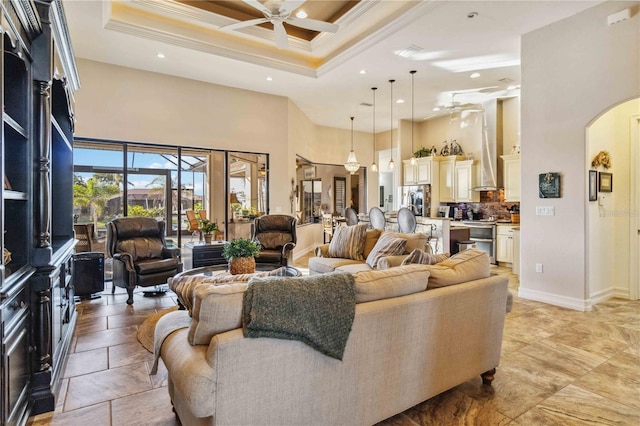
(602, 295)
(622, 293)
(554, 299)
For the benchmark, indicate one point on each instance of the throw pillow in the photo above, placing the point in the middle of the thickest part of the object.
(421, 257)
(387, 245)
(185, 286)
(416, 240)
(348, 242)
(394, 282)
(468, 265)
(370, 241)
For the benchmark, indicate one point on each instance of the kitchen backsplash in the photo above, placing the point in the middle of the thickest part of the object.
(491, 204)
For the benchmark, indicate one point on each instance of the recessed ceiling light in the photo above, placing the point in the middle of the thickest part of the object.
(301, 14)
(160, 55)
(400, 101)
(269, 79)
(436, 109)
(363, 72)
(475, 75)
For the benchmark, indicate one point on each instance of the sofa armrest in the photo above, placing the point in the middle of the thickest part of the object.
(322, 250)
(387, 262)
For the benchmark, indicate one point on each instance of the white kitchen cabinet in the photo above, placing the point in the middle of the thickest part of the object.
(511, 176)
(504, 243)
(465, 181)
(421, 173)
(447, 176)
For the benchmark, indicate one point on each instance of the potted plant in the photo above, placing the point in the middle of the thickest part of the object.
(241, 254)
(207, 228)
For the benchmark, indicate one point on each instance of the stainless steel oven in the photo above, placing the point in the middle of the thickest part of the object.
(483, 233)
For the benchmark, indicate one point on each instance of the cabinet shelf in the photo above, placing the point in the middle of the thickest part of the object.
(8, 194)
(13, 124)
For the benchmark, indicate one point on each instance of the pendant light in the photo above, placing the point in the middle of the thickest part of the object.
(352, 164)
(374, 166)
(391, 163)
(413, 151)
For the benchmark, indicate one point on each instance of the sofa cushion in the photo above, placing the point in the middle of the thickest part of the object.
(322, 265)
(348, 242)
(468, 265)
(423, 258)
(370, 240)
(387, 245)
(394, 282)
(354, 268)
(216, 308)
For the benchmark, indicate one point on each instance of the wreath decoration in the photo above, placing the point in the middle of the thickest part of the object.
(601, 159)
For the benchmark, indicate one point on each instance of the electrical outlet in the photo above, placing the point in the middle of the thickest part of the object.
(539, 267)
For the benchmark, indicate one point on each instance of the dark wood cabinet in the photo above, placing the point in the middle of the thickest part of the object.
(37, 312)
(197, 255)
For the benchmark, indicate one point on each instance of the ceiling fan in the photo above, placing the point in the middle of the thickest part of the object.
(458, 106)
(278, 12)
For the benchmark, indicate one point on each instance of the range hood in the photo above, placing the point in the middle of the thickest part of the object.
(490, 172)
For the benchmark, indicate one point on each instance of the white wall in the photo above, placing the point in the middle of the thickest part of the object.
(572, 71)
(609, 219)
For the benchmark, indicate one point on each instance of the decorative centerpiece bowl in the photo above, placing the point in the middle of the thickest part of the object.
(241, 254)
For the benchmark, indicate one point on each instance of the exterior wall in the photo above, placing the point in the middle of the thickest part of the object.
(572, 71)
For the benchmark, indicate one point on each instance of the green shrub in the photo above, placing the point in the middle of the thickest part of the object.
(241, 247)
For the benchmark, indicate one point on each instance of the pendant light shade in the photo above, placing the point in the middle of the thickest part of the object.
(391, 163)
(352, 164)
(413, 150)
(374, 166)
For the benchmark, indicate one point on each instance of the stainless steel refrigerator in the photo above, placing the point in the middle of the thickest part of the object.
(416, 198)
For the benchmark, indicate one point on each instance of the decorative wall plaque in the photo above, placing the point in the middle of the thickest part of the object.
(549, 185)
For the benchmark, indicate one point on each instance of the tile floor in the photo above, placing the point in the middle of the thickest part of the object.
(558, 367)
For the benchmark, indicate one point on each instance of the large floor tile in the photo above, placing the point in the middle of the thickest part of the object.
(574, 406)
(129, 319)
(106, 385)
(94, 415)
(592, 343)
(102, 339)
(455, 408)
(151, 408)
(89, 325)
(545, 374)
(128, 353)
(567, 359)
(618, 380)
(398, 420)
(80, 363)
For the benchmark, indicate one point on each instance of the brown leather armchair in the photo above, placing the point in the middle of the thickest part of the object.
(140, 254)
(276, 234)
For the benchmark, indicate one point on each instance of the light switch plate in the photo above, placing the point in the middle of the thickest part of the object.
(545, 211)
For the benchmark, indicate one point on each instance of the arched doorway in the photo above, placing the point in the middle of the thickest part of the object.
(612, 218)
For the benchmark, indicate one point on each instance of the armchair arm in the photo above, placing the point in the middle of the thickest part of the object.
(322, 250)
(171, 252)
(126, 259)
(287, 248)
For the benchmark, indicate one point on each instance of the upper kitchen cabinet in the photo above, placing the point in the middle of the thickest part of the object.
(465, 182)
(511, 177)
(423, 172)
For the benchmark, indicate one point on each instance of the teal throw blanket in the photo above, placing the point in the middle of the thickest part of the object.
(317, 310)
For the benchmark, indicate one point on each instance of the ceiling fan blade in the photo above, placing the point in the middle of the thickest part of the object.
(313, 24)
(259, 6)
(243, 24)
(282, 40)
(289, 6)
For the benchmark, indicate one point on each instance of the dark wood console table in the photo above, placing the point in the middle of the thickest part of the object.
(197, 255)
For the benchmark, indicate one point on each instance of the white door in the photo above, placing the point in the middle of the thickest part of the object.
(634, 226)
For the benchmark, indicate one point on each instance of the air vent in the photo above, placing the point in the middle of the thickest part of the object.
(409, 52)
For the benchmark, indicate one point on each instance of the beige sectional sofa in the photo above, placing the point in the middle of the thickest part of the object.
(323, 262)
(406, 345)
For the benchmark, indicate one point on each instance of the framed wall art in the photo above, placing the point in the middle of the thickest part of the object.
(549, 185)
(605, 182)
(593, 185)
